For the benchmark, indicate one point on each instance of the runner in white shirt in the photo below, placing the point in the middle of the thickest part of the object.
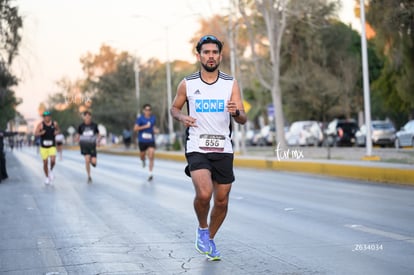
(213, 101)
(59, 138)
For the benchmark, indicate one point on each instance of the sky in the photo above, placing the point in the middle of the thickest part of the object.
(57, 33)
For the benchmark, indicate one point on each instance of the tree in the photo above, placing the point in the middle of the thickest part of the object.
(106, 61)
(109, 89)
(8, 100)
(153, 82)
(113, 102)
(393, 22)
(267, 22)
(322, 68)
(10, 25)
(64, 107)
(274, 15)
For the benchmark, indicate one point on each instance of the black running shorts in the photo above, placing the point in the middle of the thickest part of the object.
(143, 146)
(88, 149)
(219, 164)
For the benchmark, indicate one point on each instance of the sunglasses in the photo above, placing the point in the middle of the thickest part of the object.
(208, 38)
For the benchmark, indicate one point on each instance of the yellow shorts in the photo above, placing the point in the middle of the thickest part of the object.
(47, 152)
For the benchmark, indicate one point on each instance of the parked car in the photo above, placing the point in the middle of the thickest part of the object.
(405, 137)
(341, 132)
(266, 136)
(304, 133)
(382, 133)
(250, 137)
(162, 140)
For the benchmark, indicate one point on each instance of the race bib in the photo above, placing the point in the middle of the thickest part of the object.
(146, 135)
(212, 142)
(47, 142)
(87, 139)
(88, 133)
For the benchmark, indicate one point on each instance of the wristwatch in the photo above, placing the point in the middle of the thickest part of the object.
(237, 113)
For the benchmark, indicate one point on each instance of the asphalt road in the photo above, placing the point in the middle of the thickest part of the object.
(278, 222)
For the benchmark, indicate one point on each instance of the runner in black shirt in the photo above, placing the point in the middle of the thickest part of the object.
(47, 130)
(88, 138)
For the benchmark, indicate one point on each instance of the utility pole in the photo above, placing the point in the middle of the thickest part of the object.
(233, 59)
(137, 89)
(169, 92)
(367, 104)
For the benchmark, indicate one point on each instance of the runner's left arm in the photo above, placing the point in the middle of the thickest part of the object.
(236, 103)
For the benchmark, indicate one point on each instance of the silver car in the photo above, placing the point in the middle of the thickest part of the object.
(382, 133)
(304, 133)
(405, 137)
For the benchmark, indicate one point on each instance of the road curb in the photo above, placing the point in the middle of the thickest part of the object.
(404, 176)
(358, 172)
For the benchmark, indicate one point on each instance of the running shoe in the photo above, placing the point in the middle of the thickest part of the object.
(143, 163)
(150, 177)
(51, 176)
(214, 254)
(202, 243)
(47, 181)
(89, 180)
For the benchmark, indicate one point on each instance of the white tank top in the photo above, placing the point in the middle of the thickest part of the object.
(207, 103)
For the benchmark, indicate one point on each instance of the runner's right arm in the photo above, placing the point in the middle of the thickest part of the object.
(39, 130)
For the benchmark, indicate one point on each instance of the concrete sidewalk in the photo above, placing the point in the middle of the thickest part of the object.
(304, 160)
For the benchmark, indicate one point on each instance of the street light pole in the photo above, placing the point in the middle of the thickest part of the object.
(239, 133)
(233, 72)
(137, 88)
(367, 105)
(169, 92)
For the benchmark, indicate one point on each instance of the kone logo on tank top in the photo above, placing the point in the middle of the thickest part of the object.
(209, 105)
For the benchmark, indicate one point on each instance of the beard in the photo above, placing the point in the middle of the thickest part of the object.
(210, 69)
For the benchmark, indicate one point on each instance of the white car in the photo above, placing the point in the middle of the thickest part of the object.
(304, 133)
(382, 133)
(405, 137)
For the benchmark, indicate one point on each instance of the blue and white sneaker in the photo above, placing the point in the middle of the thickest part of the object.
(214, 254)
(202, 243)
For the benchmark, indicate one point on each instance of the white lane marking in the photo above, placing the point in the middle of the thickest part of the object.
(378, 232)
